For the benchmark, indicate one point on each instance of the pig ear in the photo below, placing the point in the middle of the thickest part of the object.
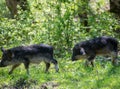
(2, 49)
(83, 51)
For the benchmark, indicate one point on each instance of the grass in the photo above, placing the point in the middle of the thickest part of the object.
(72, 75)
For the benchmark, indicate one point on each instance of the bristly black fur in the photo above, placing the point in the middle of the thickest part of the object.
(98, 46)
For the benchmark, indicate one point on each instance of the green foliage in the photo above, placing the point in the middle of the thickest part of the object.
(72, 75)
(53, 22)
(56, 22)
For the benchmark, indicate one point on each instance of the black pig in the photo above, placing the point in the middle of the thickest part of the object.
(98, 46)
(28, 54)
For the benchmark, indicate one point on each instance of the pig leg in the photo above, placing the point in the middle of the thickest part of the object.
(26, 64)
(92, 63)
(47, 66)
(90, 60)
(86, 63)
(13, 67)
(114, 58)
(56, 64)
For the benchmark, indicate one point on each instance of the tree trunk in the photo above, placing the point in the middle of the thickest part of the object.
(83, 12)
(12, 6)
(115, 7)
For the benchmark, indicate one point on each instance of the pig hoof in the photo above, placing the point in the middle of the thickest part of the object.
(57, 70)
(10, 73)
(46, 71)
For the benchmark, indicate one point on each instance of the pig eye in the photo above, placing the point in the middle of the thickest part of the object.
(6, 58)
(81, 52)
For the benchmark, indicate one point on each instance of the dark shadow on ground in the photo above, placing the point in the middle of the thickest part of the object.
(21, 83)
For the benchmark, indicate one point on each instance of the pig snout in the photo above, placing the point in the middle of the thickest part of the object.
(1, 64)
(73, 58)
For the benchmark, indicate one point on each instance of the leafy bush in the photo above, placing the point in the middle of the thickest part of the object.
(53, 23)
